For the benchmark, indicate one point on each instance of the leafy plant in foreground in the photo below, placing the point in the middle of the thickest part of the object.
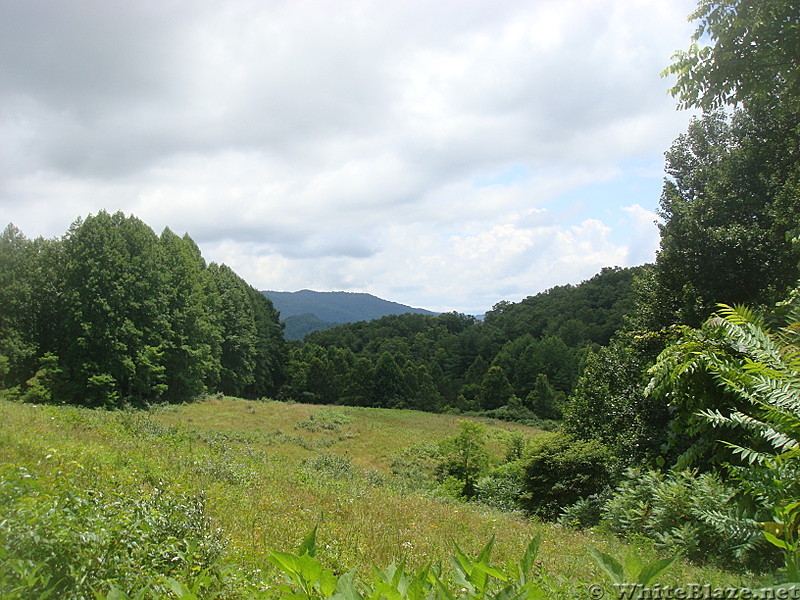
(631, 570)
(59, 540)
(759, 369)
(784, 532)
(693, 514)
(473, 578)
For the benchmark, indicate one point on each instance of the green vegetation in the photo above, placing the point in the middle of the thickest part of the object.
(204, 492)
(305, 311)
(641, 374)
(522, 360)
(112, 314)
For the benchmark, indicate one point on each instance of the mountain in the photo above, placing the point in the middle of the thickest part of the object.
(297, 327)
(305, 311)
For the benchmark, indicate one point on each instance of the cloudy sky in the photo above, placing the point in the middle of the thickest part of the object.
(446, 154)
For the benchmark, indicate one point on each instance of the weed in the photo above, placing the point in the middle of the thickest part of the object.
(325, 419)
(64, 541)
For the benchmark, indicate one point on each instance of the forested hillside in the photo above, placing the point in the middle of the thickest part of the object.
(306, 310)
(297, 327)
(523, 358)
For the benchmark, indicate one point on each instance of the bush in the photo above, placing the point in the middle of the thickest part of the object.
(560, 470)
(415, 468)
(328, 467)
(586, 512)
(498, 492)
(62, 541)
(516, 414)
(464, 456)
(326, 419)
(693, 514)
(501, 487)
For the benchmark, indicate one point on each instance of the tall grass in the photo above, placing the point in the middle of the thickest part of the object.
(266, 478)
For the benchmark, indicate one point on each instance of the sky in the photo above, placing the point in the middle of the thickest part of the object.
(443, 154)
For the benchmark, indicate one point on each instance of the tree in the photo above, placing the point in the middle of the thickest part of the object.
(193, 346)
(755, 407)
(560, 470)
(389, 384)
(113, 311)
(495, 390)
(358, 389)
(610, 403)
(239, 334)
(733, 188)
(465, 456)
(752, 56)
(544, 400)
(729, 202)
(270, 348)
(423, 394)
(578, 314)
(736, 379)
(476, 371)
(18, 347)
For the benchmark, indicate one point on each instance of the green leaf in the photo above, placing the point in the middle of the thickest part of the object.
(114, 594)
(284, 561)
(180, 590)
(775, 541)
(652, 570)
(490, 570)
(529, 558)
(461, 562)
(486, 551)
(632, 565)
(346, 589)
(309, 544)
(608, 564)
(327, 583)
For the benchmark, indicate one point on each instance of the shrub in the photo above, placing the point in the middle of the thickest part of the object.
(516, 414)
(560, 470)
(501, 487)
(328, 467)
(690, 513)
(465, 456)
(414, 468)
(498, 492)
(62, 541)
(586, 512)
(326, 419)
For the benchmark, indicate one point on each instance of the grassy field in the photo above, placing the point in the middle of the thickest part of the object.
(269, 472)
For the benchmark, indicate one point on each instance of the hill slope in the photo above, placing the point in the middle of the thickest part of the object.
(240, 479)
(298, 309)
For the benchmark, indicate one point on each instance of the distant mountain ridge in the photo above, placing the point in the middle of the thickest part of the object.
(305, 311)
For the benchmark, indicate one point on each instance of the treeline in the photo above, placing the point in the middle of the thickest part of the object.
(112, 313)
(521, 361)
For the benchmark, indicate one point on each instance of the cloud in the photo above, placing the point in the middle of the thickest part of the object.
(644, 236)
(426, 150)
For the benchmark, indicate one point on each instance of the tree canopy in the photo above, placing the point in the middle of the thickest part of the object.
(113, 313)
(751, 56)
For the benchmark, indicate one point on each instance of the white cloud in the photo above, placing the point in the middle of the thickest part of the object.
(424, 152)
(644, 236)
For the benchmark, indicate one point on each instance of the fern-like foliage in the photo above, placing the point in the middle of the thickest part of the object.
(754, 404)
(694, 514)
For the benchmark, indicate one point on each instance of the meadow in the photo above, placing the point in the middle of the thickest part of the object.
(256, 477)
